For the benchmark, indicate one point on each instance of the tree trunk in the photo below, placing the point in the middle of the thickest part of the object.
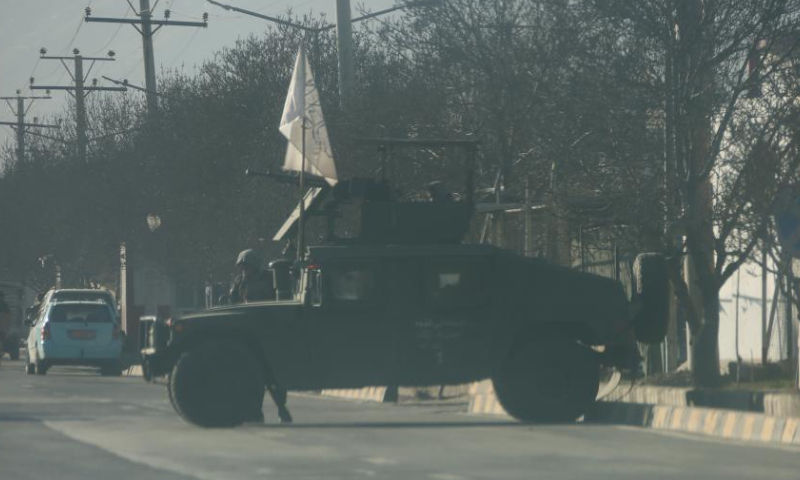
(696, 45)
(705, 344)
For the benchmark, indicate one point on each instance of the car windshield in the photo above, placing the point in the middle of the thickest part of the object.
(66, 313)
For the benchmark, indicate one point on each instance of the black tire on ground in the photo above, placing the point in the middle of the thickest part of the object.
(111, 370)
(652, 293)
(40, 366)
(217, 383)
(549, 381)
(30, 368)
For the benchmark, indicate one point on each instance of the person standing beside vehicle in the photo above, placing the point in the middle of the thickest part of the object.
(251, 285)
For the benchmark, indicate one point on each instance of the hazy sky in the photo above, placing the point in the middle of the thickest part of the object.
(28, 25)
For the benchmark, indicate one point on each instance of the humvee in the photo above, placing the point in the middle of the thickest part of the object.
(407, 304)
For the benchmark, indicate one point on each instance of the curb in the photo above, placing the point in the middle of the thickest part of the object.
(370, 394)
(483, 401)
(773, 403)
(725, 424)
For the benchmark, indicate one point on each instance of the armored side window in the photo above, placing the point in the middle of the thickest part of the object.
(352, 284)
(454, 284)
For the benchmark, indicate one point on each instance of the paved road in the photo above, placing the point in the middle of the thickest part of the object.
(74, 424)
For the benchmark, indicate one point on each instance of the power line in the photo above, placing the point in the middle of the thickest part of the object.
(145, 26)
(183, 50)
(79, 90)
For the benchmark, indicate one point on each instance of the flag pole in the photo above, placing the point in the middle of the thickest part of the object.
(301, 228)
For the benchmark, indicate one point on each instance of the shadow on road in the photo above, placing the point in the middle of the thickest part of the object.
(397, 425)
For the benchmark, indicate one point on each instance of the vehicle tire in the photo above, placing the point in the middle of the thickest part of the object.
(41, 366)
(30, 368)
(548, 381)
(111, 370)
(652, 294)
(216, 384)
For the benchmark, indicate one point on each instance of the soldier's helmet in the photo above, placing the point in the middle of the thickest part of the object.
(248, 257)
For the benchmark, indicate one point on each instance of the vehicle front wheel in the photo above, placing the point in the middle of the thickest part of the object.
(216, 384)
(548, 381)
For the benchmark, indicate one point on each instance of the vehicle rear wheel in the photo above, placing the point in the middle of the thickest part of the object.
(111, 370)
(548, 381)
(41, 366)
(216, 384)
(30, 368)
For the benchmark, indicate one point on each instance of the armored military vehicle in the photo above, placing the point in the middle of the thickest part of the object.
(407, 303)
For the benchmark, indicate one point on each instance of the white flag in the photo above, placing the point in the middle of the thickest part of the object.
(303, 101)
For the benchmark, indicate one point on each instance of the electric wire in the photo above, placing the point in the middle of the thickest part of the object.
(185, 47)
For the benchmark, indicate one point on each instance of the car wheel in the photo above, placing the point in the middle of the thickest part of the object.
(113, 370)
(216, 384)
(30, 368)
(549, 381)
(41, 366)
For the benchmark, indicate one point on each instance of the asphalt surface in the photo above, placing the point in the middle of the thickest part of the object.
(75, 424)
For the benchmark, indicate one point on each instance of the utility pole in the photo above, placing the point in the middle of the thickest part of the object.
(344, 26)
(79, 90)
(144, 25)
(347, 69)
(20, 126)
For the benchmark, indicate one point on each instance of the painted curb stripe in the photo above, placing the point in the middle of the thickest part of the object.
(372, 394)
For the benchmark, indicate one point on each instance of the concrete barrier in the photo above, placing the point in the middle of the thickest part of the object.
(369, 394)
(782, 404)
(483, 401)
(648, 395)
(779, 404)
(726, 424)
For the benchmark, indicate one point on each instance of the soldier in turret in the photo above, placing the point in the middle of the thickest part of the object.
(253, 282)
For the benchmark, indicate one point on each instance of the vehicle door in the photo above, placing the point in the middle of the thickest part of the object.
(82, 330)
(352, 341)
(448, 320)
